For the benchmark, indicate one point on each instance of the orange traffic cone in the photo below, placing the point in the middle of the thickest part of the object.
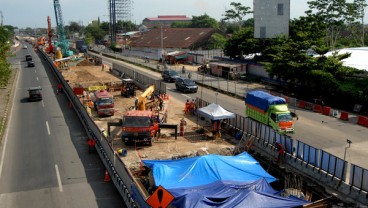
(107, 176)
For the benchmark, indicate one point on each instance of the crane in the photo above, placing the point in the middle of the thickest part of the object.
(63, 44)
(1, 13)
(49, 33)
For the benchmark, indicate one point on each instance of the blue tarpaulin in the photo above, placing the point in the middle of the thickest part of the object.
(262, 100)
(229, 194)
(201, 170)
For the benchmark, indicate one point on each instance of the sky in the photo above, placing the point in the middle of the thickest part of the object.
(33, 13)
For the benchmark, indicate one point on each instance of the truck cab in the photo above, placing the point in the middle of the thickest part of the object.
(127, 88)
(103, 102)
(281, 119)
(139, 127)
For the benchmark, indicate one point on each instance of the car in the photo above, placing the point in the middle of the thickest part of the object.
(28, 58)
(34, 94)
(170, 75)
(30, 64)
(25, 47)
(186, 85)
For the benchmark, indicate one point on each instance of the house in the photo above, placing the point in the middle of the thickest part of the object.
(162, 41)
(164, 20)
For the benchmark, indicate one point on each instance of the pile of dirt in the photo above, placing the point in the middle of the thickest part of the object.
(85, 62)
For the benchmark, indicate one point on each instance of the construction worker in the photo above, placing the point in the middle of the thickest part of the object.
(280, 151)
(136, 103)
(187, 107)
(161, 103)
(91, 145)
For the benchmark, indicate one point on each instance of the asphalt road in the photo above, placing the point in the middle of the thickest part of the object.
(44, 160)
(323, 132)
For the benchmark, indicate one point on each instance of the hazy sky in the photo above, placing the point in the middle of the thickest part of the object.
(33, 13)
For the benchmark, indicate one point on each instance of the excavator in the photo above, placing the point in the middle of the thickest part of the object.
(142, 99)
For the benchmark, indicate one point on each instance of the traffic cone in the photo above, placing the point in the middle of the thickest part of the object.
(107, 176)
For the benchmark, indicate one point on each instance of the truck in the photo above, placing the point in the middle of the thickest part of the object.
(103, 103)
(81, 45)
(139, 127)
(270, 110)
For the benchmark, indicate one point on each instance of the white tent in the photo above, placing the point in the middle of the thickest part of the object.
(215, 112)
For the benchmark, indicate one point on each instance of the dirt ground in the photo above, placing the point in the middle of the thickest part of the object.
(164, 147)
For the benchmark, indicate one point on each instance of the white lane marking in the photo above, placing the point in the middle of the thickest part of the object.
(35, 71)
(186, 96)
(43, 104)
(48, 128)
(37, 78)
(58, 178)
(7, 128)
(168, 88)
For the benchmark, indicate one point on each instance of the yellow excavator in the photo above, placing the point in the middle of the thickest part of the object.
(142, 99)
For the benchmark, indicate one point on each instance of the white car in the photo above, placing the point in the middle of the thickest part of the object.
(25, 47)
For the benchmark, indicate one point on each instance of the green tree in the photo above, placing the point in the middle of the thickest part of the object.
(242, 43)
(6, 34)
(126, 26)
(95, 31)
(334, 14)
(181, 24)
(217, 41)
(237, 13)
(204, 21)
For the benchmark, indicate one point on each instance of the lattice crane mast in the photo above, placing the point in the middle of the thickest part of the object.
(63, 44)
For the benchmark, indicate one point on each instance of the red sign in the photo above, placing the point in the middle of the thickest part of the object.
(161, 198)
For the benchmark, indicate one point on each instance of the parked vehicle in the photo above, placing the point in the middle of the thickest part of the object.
(186, 85)
(103, 102)
(139, 126)
(34, 93)
(81, 45)
(127, 88)
(25, 47)
(270, 110)
(170, 75)
(30, 64)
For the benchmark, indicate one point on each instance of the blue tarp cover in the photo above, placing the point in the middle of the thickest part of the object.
(262, 99)
(229, 194)
(201, 170)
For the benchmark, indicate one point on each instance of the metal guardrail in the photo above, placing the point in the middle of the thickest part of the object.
(115, 166)
(315, 163)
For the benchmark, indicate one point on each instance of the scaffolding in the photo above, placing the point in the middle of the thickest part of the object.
(119, 10)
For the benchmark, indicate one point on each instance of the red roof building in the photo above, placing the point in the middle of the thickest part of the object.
(165, 20)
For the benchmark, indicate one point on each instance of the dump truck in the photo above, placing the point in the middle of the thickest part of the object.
(103, 102)
(139, 127)
(270, 110)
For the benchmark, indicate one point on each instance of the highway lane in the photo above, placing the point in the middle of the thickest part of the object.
(44, 157)
(324, 132)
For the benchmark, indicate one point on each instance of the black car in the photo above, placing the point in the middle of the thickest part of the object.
(28, 58)
(34, 93)
(186, 85)
(30, 64)
(170, 75)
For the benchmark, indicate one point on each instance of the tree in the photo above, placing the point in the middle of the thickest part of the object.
(242, 43)
(74, 27)
(204, 21)
(181, 24)
(334, 14)
(125, 26)
(237, 13)
(217, 41)
(95, 31)
(6, 33)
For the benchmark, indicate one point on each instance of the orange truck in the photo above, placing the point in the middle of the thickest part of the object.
(103, 102)
(139, 127)
(270, 110)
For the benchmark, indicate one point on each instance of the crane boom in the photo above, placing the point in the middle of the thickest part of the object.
(63, 43)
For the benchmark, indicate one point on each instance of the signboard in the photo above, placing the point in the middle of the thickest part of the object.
(94, 88)
(161, 198)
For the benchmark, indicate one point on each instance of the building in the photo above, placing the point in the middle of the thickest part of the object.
(271, 18)
(164, 20)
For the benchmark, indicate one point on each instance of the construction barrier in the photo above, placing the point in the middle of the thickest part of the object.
(326, 110)
(363, 121)
(344, 116)
(317, 108)
(301, 104)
